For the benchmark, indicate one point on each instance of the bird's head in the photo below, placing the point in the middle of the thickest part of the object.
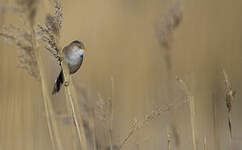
(78, 44)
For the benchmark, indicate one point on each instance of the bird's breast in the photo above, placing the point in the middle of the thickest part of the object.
(74, 59)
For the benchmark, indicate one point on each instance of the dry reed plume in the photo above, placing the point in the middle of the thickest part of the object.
(104, 112)
(165, 27)
(50, 35)
(29, 59)
(25, 38)
(138, 124)
(22, 38)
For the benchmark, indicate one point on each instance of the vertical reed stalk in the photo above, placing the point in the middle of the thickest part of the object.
(111, 116)
(26, 41)
(192, 117)
(168, 139)
(50, 115)
(205, 143)
(50, 35)
(71, 98)
(190, 99)
(229, 97)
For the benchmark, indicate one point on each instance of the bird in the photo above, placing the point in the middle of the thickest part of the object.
(73, 57)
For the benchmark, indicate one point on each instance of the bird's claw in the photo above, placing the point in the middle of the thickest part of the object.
(66, 83)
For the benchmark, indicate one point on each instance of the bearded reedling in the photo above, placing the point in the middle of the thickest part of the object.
(73, 56)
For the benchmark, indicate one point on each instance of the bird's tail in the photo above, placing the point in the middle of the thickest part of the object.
(58, 82)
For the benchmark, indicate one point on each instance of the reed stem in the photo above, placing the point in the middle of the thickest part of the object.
(69, 90)
(50, 115)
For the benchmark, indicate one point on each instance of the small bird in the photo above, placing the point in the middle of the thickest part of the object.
(73, 57)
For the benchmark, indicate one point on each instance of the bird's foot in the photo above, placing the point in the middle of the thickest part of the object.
(66, 83)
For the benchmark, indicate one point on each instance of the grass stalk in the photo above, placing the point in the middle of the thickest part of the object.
(111, 116)
(191, 101)
(50, 115)
(229, 95)
(31, 60)
(50, 35)
(168, 139)
(69, 92)
(205, 143)
(138, 124)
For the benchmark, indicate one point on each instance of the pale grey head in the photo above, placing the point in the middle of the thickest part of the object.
(78, 44)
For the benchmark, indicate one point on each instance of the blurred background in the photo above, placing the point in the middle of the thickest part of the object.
(125, 43)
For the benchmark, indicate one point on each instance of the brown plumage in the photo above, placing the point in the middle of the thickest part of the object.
(73, 57)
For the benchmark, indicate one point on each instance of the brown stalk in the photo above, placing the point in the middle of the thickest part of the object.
(50, 34)
(20, 38)
(230, 94)
(190, 99)
(138, 124)
(71, 98)
(205, 143)
(131, 132)
(111, 116)
(50, 115)
(169, 139)
(229, 97)
(104, 112)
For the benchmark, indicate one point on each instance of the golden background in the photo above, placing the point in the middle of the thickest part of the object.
(121, 41)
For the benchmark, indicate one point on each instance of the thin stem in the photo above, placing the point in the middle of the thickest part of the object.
(190, 99)
(230, 94)
(168, 139)
(111, 116)
(68, 87)
(205, 143)
(51, 122)
(131, 132)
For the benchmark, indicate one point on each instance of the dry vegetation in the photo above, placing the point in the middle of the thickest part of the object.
(190, 99)
(229, 97)
(25, 38)
(165, 27)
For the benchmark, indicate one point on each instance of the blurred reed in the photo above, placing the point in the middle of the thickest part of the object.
(50, 35)
(104, 112)
(229, 98)
(164, 29)
(205, 143)
(190, 99)
(169, 139)
(2, 12)
(29, 59)
(139, 124)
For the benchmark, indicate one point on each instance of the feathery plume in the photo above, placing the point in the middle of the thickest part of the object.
(165, 27)
(50, 31)
(21, 37)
